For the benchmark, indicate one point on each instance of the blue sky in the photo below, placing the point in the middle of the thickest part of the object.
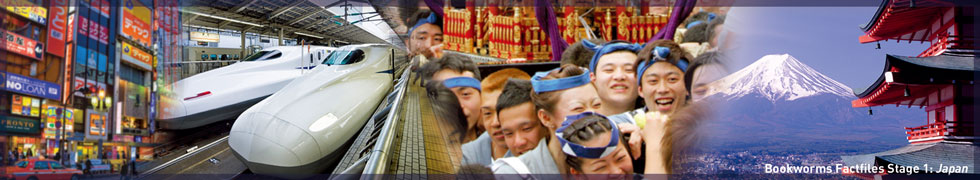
(825, 38)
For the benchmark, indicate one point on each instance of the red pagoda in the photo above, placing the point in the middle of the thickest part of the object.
(940, 80)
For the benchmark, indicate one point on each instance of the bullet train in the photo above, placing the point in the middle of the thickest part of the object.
(226, 92)
(303, 128)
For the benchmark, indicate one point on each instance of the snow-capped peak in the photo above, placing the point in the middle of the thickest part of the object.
(778, 77)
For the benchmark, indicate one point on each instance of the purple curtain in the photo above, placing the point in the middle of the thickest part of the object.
(436, 7)
(550, 24)
(682, 8)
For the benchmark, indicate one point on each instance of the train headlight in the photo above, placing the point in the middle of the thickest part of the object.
(323, 122)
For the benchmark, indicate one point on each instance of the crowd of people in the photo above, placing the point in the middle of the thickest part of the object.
(610, 108)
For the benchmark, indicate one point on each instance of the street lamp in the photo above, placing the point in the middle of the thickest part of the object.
(100, 101)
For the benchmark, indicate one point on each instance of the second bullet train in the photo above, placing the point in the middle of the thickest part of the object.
(301, 129)
(225, 92)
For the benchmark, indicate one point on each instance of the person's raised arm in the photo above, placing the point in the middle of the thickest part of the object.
(653, 133)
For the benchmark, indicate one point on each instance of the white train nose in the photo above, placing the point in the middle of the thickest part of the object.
(259, 149)
(265, 139)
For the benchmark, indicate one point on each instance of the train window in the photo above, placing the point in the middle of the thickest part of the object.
(355, 57)
(214, 56)
(344, 57)
(263, 56)
(325, 56)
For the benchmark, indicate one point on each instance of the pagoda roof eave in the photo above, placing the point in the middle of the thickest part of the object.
(874, 20)
(905, 20)
(947, 153)
(951, 68)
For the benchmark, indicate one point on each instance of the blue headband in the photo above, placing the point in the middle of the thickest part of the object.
(578, 150)
(659, 53)
(541, 86)
(692, 24)
(606, 49)
(462, 81)
(431, 19)
(711, 16)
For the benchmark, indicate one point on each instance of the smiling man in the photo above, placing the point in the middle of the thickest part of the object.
(491, 144)
(518, 119)
(661, 76)
(425, 38)
(614, 76)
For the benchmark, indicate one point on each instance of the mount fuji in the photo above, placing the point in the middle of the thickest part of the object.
(779, 77)
(780, 105)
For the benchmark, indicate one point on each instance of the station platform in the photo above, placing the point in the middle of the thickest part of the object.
(419, 141)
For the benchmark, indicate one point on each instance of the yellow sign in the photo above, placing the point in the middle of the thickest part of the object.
(136, 56)
(136, 22)
(34, 12)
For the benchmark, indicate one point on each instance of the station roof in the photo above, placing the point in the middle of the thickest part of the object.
(351, 21)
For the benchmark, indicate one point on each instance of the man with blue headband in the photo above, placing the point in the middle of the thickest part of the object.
(660, 80)
(425, 37)
(467, 91)
(459, 74)
(424, 42)
(614, 76)
(660, 76)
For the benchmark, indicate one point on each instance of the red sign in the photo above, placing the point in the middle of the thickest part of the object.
(93, 30)
(80, 83)
(71, 28)
(82, 26)
(22, 45)
(100, 6)
(67, 73)
(104, 34)
(58, 27)
(104, 8)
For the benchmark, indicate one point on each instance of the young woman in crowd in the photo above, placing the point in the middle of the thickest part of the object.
(594, 145)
